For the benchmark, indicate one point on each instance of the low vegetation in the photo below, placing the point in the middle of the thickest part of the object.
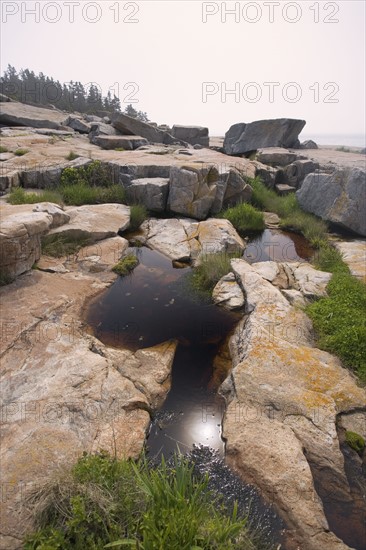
(21, 152)
(355, 441)
(339, 318)
(138, 215)
(72, 156)
(210, 270)
(105, 503)
(344, 149)
(244, 217)
(126, 265)
(288, 209)
(61, 245)
(3, 149)
(19, 196)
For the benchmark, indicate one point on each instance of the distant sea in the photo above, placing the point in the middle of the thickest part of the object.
(350, 140)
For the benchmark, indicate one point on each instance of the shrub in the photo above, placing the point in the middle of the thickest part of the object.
(126, 265)
(210, 270)
(19, 196)
(59, 245)
(355, 441)
(244, 217)
(21, 152)
(105, 502)
(72, 156)
(3, 149)
(95, 174)
(138, 215)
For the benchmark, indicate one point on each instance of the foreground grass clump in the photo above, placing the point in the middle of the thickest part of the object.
(104, 503)
(72, 156)
(3, 149)
(355, 441)
(60, 245)
(339, 318)
(138, 215)
(288, 209)
(19, 196)
(126, 265)
(210, 270)
(244, 217)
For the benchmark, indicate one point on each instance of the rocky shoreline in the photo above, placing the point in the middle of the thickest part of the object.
(64, 392)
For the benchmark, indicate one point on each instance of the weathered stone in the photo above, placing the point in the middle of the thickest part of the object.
(101, 129)
(276, 156)
(354, 254)
(295, 173)
(95, 222)
(151, 192)
(6, 156)
(128, 125)
(283, 399)
(268, 174)
(338, 198)
(195, 135)
(78, 124)
(243, 138)
(59, 217)
(231, 189)
(93, 118)
(19, 114)
(9, 180)
(192, 190)
(168, 237)
(124, 142)
(308, 144)
(227, 293)
(46, 176)
(284, 189)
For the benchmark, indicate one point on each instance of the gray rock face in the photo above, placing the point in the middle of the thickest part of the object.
(339, 198)
(19, 114)
(276, 156)
(195, 135)
(44, 177)
(128, 125)
(129, 143)
(9, 180)
(242, 138)
(308, 144)
(101, 129)
(295, 173)
(231, 189)
(78, 124)
(151, 192)
(193, 190)
(227, 293)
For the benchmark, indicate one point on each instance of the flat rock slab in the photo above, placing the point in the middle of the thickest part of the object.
(227, 293)
(354, 254)
(129, 143)
(277, 156)
(95, 222)
(19, 114)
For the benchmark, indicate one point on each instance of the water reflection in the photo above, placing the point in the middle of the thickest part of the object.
(278, 246)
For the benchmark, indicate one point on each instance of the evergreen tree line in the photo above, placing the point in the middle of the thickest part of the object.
(27, 87)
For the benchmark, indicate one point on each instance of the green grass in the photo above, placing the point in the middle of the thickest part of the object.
(19, 196)
(72, 156)
(105, 502)
(292, 216)
(95, 174)
(3, 149)
(126, 265)
(79, 194)
(138, 215)
(21, 152)
(210, 270)
(59, 245)
(339, 319)
(244, 217)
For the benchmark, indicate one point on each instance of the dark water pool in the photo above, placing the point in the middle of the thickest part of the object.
(277, 246)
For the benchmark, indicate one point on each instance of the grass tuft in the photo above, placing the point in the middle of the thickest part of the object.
(3, 149)
(210, 270)
(19, 196)
(105, 503)
(79, 194)
(244, 217)
(72, 156)
(126, 265)
(60, 245)
(21, 152)
(138, 215)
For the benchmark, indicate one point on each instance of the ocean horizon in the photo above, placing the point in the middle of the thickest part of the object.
(350, 140)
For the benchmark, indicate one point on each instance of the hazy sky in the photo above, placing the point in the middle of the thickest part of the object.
(181, 59)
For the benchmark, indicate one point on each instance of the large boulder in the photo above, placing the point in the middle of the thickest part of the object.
(243, 138)
(78, 124)
(276, 156)
(193, 190)
(195, 135)
(308, 144)
(151, 192)
(19, 114)
(339, 198)
(295, 173)
(129, 125)
(284, 397)
(102, 129)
